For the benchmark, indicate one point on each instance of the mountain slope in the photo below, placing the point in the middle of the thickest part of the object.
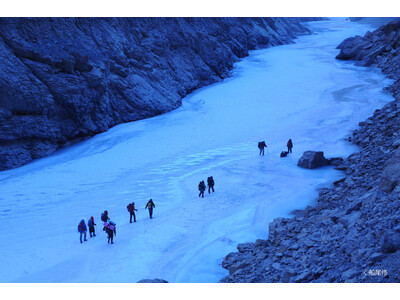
(65, 79)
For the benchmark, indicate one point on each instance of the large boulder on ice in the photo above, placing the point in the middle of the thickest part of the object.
(312, 160)
(391, 173)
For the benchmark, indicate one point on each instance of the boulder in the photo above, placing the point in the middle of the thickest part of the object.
(391, 242)
(391, 173)
(312, 160)
(377, 257)
(239, 265)
(396, 143)
(354, 207)
(303, 277)
(351, 273)
(260, 243)
(245, 247)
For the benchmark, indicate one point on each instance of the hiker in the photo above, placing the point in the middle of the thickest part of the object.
(104, 217)
(289, 146)
(131, 208)
(261, 146)
(284, 153)
(202, 188)
(91, 225)
(82, 230)
(150, 205)
(110, 230)
(210, 182)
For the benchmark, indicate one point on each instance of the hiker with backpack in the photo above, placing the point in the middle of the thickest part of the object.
(82, 230)
(202, 188)
(131, 208)
(150, 205)
(110, 230)
(290, 146)
(91, 225)
(210, 183)
(261, 146)
(104, 217)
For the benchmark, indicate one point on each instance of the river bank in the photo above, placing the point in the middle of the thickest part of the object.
(352, 233)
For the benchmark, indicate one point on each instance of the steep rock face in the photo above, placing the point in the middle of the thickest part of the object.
(374, 21)
(380, 48)
(64, 79)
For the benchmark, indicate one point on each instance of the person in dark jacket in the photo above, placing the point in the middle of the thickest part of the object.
(111, 230)
(261, 146)
(210, 183)
(289, 146)
(131, 208)
(91, 225)
(150, 205)
(104, 217)
(202, 188)
(82, 230)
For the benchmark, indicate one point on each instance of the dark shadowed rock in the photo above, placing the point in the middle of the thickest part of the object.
(377, 257)
(245, 247)
(391, 173)
(156, 280)
(312, 160)
(67, 79)
(391, 242)
(351, 273)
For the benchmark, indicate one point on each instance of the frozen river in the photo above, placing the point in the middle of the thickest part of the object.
(296, 91)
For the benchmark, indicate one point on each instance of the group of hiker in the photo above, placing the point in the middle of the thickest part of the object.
(109, 226)
(262, 145)
(82, 229)
(202, 186)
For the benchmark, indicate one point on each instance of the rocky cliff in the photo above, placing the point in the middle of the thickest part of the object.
(65, 79)
(353, 232)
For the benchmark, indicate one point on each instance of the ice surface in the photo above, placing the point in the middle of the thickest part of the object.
(295, 91)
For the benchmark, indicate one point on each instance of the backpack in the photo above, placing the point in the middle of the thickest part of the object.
(103, 217)
(81, 226)
(284, 153)
(90, 223)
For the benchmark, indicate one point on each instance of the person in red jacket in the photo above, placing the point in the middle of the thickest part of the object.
(131, 208)
(289, 146)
